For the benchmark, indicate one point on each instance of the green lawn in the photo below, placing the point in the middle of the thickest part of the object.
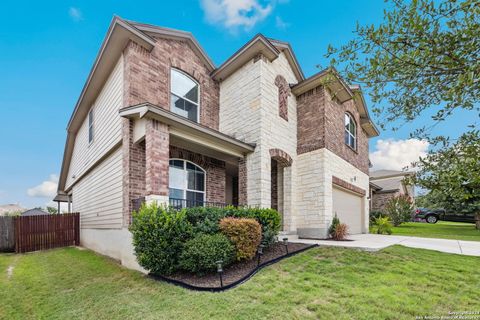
(442, 229)
(322, 283)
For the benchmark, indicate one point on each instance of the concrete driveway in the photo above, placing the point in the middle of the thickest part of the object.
(375, 242)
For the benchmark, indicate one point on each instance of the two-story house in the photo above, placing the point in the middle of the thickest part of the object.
(158, 121)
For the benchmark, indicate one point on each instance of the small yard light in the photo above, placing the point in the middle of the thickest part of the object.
(285, 243)
(220, 271)
(260, 253)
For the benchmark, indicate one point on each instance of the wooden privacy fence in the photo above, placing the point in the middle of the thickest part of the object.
(34, 233)
(7, 234)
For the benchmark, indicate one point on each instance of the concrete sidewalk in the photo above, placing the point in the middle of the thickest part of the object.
(375, 242)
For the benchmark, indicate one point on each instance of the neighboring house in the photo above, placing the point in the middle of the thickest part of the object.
(34, 212)
(158, 121)
(10, 209)
(386, 184)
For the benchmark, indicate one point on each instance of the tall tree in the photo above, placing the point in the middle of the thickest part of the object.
(52, 210)
(453, 174)
(424, 55)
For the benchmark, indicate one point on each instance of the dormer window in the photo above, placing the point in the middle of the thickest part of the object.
(350, 132)
(184, 97)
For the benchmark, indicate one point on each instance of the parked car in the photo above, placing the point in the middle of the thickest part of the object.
(429, 215)
(433, 215)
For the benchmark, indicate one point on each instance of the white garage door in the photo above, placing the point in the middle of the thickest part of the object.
(348, 208)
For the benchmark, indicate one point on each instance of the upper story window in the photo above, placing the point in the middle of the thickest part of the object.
(184, 97)
(90, 126)
(350, 131)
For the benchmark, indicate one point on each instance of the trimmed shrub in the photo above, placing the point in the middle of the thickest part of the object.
(383, 225)
(374, 215)
(244, 233)
(399, 209)
(269, 220)
(205, 219)
(201, 253)
(159, 235)
(333, 226)
(340, 232)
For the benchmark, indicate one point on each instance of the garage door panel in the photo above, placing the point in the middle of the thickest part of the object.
(348, 208)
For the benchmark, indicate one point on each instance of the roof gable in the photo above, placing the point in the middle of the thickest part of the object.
(168, 33)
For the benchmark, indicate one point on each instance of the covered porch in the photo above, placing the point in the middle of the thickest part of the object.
(172, 160)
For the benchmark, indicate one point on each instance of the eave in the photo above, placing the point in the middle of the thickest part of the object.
(291, 58)
(328, 78)
(167, 33)
(257, 45)
(365, 120)
(119, 34)
(187, 130)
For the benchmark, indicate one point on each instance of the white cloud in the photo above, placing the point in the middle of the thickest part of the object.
(75, 14)
(280, 24)
(234, 14)
(46, 189)
(397, 154)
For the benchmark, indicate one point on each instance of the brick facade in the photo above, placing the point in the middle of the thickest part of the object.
(157, 142)
(242, 182)
(274, 180)
(281, 157)
(283, 94)
(379, 200)
(335, 133)
(321, 124)
(147, 77)
(215, 172)
(311, 120)
(348, 186)
(133, 170)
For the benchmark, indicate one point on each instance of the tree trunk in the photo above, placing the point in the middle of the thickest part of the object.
(477, 220)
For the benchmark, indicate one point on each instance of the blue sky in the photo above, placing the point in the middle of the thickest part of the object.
(47, 49)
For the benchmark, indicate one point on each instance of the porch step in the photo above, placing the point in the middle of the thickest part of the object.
(291, 236)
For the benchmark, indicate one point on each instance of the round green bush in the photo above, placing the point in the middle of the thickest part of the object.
(159, 235)
(205, 219)
(201, 253)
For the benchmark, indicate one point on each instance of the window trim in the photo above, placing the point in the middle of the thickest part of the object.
(347, 130)
(186, 180)
(91, 129)
(178, 96)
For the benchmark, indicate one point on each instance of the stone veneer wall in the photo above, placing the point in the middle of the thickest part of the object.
(315, 172)
(250, 112)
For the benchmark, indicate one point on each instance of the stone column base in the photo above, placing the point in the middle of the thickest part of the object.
(312, 233)
(160, 200)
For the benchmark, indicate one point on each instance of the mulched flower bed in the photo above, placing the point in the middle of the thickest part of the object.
(235, 273)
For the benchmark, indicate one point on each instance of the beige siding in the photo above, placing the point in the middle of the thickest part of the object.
(98, 195)
(107, 127)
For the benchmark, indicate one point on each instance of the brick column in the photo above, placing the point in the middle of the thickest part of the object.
(242, 182)
(133, 170)
(157, 145)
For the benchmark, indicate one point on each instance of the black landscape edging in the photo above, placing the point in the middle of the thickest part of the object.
(233, 284)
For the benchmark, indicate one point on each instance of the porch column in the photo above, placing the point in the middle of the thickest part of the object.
(242, 182)
(157, 143)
